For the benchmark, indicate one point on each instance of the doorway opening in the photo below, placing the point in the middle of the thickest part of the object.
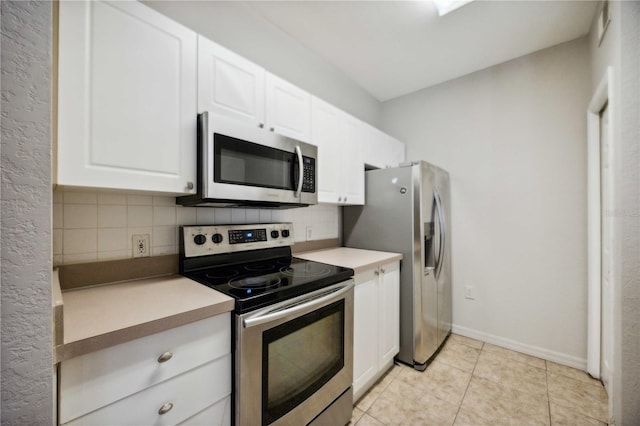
(600, 247)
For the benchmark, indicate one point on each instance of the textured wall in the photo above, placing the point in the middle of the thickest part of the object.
(513, 140)
(25, 221)
(627, 395)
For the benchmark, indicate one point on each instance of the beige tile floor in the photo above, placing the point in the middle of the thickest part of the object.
(476, 383)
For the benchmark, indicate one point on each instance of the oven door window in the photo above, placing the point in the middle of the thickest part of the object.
(299, 357)
(245, 163)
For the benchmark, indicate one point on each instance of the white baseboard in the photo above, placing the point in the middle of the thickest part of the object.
(549, 355)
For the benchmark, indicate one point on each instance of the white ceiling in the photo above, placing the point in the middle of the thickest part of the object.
(391, 48)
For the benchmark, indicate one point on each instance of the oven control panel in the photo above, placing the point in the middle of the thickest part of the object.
(203, 240)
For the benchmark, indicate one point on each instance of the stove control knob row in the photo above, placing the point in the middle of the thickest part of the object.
(201, 239)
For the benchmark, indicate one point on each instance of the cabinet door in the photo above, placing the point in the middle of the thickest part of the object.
(396, 151)
(126, 98)
(341, 170)
(352, 164)
(365, 331)
(288, 109)
(327, 133)
(229, 84)
(373, 146)
(389, 313)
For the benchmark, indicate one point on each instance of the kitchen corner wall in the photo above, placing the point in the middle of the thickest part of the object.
(513, 138)
(94, 226)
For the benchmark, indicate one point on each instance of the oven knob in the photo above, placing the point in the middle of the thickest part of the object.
(285, 233)
(199, 239)
(217, 238)
(275, 234)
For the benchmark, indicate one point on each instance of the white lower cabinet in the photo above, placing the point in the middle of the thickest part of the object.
(165, 378)
(217, 414)
(376, 324)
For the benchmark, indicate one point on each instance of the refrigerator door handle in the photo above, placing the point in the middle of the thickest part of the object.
(443, 232)
(429, 255)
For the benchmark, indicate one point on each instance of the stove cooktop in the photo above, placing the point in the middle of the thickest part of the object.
(258, 284)
(252, 263)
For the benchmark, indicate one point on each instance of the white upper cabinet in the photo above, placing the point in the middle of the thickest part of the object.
(126, 98)
(381, 150)
(229, 84)
(288, 109)
(396, 151)
(340, 166)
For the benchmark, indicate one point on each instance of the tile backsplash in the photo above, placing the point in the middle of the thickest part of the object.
(93, 226)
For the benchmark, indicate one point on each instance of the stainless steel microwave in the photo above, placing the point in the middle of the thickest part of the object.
(242, 165)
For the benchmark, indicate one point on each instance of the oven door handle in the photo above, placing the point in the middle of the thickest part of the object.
(308, 302)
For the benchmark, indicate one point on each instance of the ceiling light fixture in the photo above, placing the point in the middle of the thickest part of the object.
(446, 6)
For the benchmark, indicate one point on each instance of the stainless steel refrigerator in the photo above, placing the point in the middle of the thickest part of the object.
(408, 211)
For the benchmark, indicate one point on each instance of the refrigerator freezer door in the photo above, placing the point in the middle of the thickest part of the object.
(443, 269)
(425, 298)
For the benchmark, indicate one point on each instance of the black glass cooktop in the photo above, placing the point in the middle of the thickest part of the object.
(264, 282)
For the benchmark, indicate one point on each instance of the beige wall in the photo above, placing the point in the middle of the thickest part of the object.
(90, 226)
(513, 138)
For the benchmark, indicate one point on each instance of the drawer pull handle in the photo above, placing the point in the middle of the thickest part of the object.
(165, 408)
(165, 357)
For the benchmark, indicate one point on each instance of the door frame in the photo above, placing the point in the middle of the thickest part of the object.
(602, 96)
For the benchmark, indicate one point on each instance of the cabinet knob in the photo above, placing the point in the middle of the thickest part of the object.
(165, 408)
(165, 357)
(272, 129)
(382, 270)
(376, 272)
(261, 125)
(339, 199)
(189, 185)
(345, 199)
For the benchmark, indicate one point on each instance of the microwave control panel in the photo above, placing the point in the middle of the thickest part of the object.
(309, 175)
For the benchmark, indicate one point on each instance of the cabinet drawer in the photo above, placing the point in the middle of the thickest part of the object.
(99, 378)
(187, 393)
(219, 414)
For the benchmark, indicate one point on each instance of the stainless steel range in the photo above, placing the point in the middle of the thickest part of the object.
(293, 323)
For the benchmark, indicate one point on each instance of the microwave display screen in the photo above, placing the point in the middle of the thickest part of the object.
(245, 163)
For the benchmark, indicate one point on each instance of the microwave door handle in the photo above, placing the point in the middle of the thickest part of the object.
(300, 171)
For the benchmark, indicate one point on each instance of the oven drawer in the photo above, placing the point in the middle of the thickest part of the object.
(181, 397)
(97, 379)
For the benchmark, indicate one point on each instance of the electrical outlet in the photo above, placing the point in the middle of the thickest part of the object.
(469, 293)
(140, 245)
(309, 233)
